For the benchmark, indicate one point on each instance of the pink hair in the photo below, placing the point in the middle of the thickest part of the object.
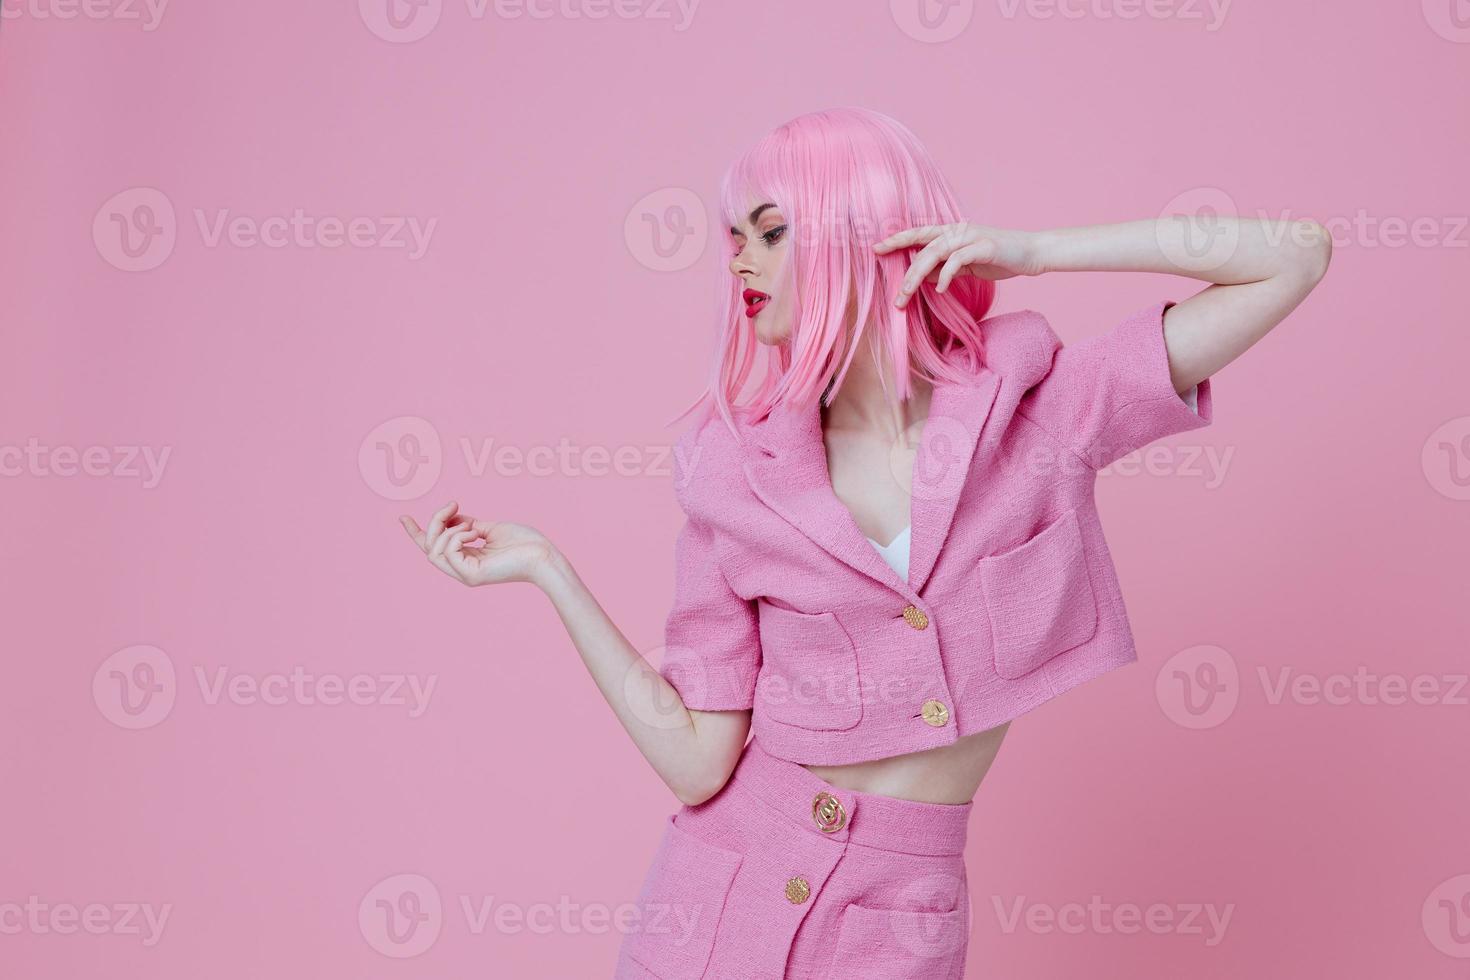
(843, 178)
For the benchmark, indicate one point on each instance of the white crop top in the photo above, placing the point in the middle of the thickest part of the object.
(896, 552)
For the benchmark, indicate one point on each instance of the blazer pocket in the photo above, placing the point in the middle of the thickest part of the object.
(1039, 597)
(809, 670)
(680, 904)
(900, 945)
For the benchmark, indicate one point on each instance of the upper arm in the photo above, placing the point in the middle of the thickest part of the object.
(721, 736)
(1219, 323)
(1111, 394)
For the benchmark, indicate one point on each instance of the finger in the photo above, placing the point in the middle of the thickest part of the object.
(413, 529)
(436, 544)
(923, 263)
(463, 565)
(907, 237)
(451, 537)
(981, 251)
(440, 519)
(439, 562)
(437, 558)
(462, 521)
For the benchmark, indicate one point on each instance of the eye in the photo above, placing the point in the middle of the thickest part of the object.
(774, 235)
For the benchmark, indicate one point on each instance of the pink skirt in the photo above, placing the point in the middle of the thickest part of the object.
(783, 875)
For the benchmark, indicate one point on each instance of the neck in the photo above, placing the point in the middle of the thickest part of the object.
(862, 404)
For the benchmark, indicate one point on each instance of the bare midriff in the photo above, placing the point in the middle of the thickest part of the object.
(949, 774)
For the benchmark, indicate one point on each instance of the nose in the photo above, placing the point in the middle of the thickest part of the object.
(740, 265)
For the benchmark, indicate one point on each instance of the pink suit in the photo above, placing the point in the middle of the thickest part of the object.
(782, 606)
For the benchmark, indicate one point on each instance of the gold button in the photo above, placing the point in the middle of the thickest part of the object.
(828, 812)
(798, 891)
(935, 713)
(915, 617)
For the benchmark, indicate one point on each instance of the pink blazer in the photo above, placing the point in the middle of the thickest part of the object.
(783, 606)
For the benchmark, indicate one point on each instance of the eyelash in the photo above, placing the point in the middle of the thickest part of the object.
(770, 237)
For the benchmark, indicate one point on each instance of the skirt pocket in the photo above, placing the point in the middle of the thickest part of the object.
(680, 904)
(883, 944)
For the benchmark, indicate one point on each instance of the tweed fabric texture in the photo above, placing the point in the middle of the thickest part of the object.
(782, 605)
(885, 895)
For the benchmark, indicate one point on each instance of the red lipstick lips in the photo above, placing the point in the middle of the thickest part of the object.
(755, 301)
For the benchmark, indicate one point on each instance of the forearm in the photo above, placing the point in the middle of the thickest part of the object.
(1221, 250)
(648, 707)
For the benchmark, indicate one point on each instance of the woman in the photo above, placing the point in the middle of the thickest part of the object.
(879, 679)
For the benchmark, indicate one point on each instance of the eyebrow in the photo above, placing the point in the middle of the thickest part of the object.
(753, 216)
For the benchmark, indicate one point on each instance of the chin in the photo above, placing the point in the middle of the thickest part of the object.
(770, 336)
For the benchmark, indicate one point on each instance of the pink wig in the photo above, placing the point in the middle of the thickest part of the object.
(843, 179)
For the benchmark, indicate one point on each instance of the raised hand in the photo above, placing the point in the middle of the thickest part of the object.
(480, 552)
(965, 249)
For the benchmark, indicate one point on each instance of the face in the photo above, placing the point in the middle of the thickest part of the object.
(758, 246)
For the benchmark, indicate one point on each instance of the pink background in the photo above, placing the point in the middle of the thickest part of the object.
(1327, 538)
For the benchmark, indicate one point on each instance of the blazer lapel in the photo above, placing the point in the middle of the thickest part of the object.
(785, 462)
(957, 414)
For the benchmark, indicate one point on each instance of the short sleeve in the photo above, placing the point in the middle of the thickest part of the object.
(1111, 394)
(711, 638)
